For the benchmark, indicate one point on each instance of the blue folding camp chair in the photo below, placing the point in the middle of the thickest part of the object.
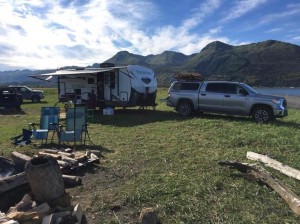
(76, 126)
(48, 121)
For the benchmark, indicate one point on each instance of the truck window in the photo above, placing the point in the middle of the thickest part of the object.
(230, 88)
(221, 88)
(24, 90)
(186, 86)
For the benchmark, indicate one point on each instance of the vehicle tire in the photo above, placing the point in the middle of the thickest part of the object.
(18, 108)
(262, 115)
(35, 99)
(185, 109)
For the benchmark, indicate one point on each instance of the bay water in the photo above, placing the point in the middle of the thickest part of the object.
(281, 91)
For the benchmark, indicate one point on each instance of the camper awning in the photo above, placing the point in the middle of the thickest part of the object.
(70, 72)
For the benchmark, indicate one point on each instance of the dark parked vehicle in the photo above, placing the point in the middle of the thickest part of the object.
(29, 94)
(9, 98)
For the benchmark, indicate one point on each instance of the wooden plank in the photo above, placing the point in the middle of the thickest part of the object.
(63, 164)
(289, 171)
(12, 182)
(35, 213)
(52, 151)
(72, 181)
(70, 160)
(78, 213)
(258, 173)
(55, 156)
(71, 155)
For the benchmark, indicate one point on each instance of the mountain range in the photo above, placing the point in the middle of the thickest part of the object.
(267, 63)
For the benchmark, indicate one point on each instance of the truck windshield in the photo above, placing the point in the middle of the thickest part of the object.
(250, 89)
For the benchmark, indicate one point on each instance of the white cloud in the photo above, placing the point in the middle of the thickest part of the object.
(204, 9)
(292, 9)
(241, 8)
(46, 34)
(92, 28)
(297, 38)
(275, 30)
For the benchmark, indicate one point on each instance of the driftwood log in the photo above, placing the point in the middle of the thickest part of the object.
(265, 177)
(289, 171)
(55, 156)
(20, 159)
(45, 179)
(53, 151)
(72, 181)
(63, 164)
(12, 182)
(70, 160)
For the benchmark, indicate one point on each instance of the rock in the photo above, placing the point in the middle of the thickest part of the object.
(149, 216)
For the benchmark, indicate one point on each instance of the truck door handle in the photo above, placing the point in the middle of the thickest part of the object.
(226, 95)
(203, 94)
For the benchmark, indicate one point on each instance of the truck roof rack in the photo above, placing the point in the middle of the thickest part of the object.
(189, 76)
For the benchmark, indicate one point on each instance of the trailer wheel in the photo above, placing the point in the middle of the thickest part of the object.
(185, 109)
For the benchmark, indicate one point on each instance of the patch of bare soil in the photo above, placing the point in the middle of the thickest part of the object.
(97, 196)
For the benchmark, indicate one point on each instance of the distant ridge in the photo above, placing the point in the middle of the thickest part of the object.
(267, 63)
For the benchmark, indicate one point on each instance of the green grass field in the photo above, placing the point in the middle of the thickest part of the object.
(157, 159)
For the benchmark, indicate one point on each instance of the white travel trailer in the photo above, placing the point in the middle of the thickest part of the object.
(124, 86)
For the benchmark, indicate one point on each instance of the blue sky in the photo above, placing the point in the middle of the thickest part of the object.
(37, 34)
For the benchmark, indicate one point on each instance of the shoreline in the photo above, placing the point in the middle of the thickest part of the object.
(293, 101)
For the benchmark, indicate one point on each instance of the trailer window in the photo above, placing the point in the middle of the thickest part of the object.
(112, 80)
(77, 91)
(106, 76)
(91, 81)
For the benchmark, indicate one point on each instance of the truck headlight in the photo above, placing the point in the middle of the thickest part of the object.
(276, 101)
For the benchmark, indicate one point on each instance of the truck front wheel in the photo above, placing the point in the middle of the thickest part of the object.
(185, 109)
(262, 114)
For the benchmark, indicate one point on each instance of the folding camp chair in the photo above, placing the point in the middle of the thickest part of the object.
(76, 126)
(23, 139)
(48, 121)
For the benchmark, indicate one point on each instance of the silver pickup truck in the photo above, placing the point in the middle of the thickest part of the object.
(225, 97)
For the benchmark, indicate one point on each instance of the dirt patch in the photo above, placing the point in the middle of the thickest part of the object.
(97, 196)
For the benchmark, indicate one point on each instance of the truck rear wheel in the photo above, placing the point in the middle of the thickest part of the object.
(35, 99)
(262, 114)
(185, 109)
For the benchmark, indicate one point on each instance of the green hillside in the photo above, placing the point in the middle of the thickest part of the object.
(268, 63)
